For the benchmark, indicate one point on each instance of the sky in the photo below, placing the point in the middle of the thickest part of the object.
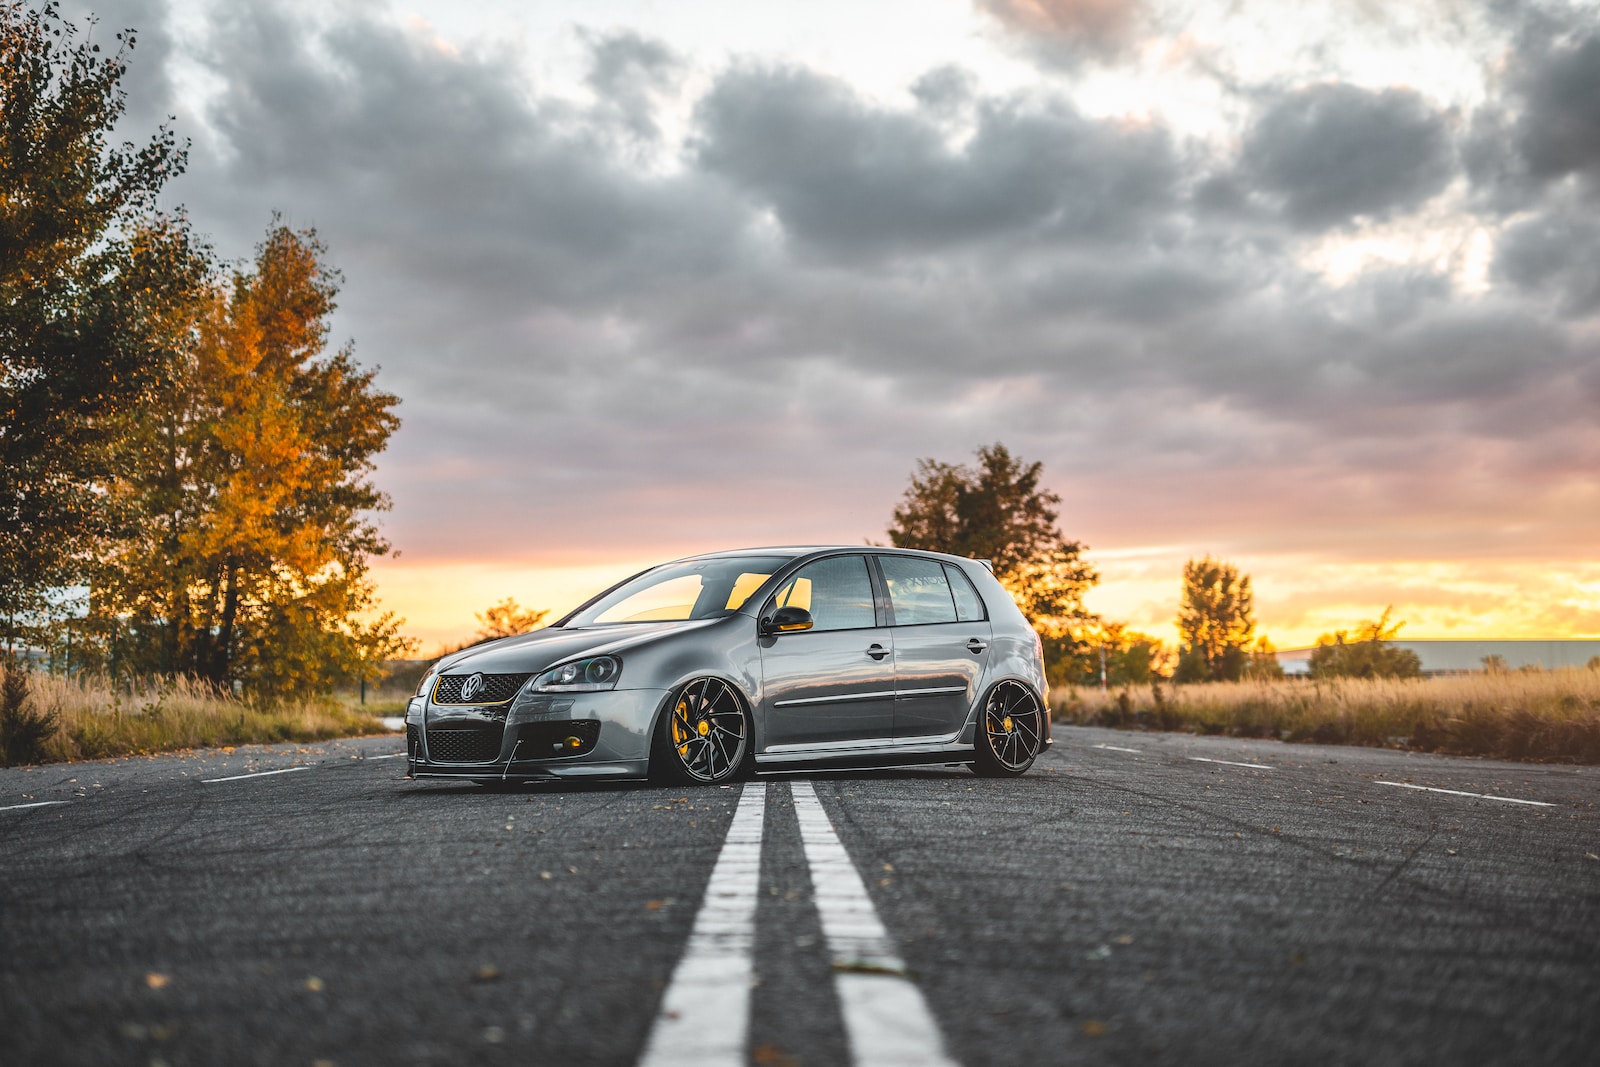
(1312, 287)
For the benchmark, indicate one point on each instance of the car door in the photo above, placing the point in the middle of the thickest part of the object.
(834, 682)
(941, 644)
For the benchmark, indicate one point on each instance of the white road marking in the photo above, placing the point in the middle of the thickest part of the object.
(1119, 748)
(35, 804)
(885, 1017)
(258, 774)
(705, 1013)
(393, 722)
(387, 755)
(1231, 763)
(1459, 793)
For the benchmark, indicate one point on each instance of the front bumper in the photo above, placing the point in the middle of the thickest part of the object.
(534, 737)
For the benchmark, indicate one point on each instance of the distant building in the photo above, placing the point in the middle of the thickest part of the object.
(1456, 657)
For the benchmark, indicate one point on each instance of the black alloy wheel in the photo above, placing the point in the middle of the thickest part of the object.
(704, 736)
(1010, 732)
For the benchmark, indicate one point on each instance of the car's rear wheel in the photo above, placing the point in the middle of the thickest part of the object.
(704, 736)
(1010, 732)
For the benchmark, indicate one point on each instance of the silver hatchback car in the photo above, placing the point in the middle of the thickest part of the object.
(711, 668)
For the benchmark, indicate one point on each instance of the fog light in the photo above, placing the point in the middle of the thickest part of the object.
(574, 743)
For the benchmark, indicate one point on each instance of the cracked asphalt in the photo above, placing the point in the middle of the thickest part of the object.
(1162, 905)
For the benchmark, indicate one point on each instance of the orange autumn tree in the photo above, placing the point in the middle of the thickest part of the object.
(250, 563)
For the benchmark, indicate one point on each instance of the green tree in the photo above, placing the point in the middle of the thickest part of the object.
(1366, 654)
(1215, 622)
(251, 563)
(996, 510)
(84, 261)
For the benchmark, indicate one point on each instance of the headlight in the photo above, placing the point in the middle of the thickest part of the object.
(580, 676)
(427, 681)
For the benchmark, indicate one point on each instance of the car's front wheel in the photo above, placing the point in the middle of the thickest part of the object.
(704, 736)
(1010, 732)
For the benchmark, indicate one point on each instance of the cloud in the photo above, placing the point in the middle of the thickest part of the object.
(1557, 86)
(1544, 125)
(847, 176)
(1332, 153)
(1066, 30)
(1557, 252)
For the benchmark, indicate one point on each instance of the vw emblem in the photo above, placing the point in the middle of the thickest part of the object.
(471, 687)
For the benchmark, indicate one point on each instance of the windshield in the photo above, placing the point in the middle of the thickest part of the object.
(677, 592)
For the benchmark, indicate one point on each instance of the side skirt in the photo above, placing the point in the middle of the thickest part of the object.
(870, 759)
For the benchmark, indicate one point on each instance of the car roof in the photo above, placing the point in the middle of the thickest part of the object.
(797, 551)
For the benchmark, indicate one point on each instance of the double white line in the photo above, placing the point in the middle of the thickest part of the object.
(705, 1014)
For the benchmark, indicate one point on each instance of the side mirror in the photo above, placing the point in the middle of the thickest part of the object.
(786, 621)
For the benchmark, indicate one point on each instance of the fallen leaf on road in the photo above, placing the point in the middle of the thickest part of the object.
(314, 984)
(771, 1056)
(1094, 1028)
(545, 875)
(864, 967)
(1124, 940)
(652, 905)
(487, 973)
(157, 981)
(1592, 856)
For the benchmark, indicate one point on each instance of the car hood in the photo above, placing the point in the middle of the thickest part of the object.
(543, 649)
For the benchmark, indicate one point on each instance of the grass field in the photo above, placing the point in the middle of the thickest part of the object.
(1536, 715)
(94, 721)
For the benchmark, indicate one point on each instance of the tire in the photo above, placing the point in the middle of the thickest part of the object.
(1010, 732)
(704, 736)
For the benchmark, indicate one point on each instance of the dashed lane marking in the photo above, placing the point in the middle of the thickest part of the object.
(258, 774)
(1459, 793)
(1231, 763)
(35, 804)
(705, 1013)
(1119, 748)
(886, 1019)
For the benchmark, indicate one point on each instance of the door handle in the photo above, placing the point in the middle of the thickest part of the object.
(877, 651)
(975, 646)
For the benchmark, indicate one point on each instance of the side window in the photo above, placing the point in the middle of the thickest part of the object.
(969, 608)
(836, 591)
(918, 590)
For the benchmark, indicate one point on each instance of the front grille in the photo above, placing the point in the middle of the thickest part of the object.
(465, 744)
(541, 740)
(497, 688)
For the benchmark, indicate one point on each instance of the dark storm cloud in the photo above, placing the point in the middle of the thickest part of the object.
(1545, 125)
(752, 340)
(1558, 85)
(1556, 253)
(1333, 153)
(845, 175)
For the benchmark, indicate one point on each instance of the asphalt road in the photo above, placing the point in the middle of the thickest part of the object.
(1113, 906)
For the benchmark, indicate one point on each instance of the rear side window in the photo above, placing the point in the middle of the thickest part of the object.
(918, 590)
(969, 608)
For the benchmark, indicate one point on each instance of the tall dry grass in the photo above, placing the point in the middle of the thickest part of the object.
(1536, 715)
(97, 720)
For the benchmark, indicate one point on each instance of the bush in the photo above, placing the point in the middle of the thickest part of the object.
(24, 730)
